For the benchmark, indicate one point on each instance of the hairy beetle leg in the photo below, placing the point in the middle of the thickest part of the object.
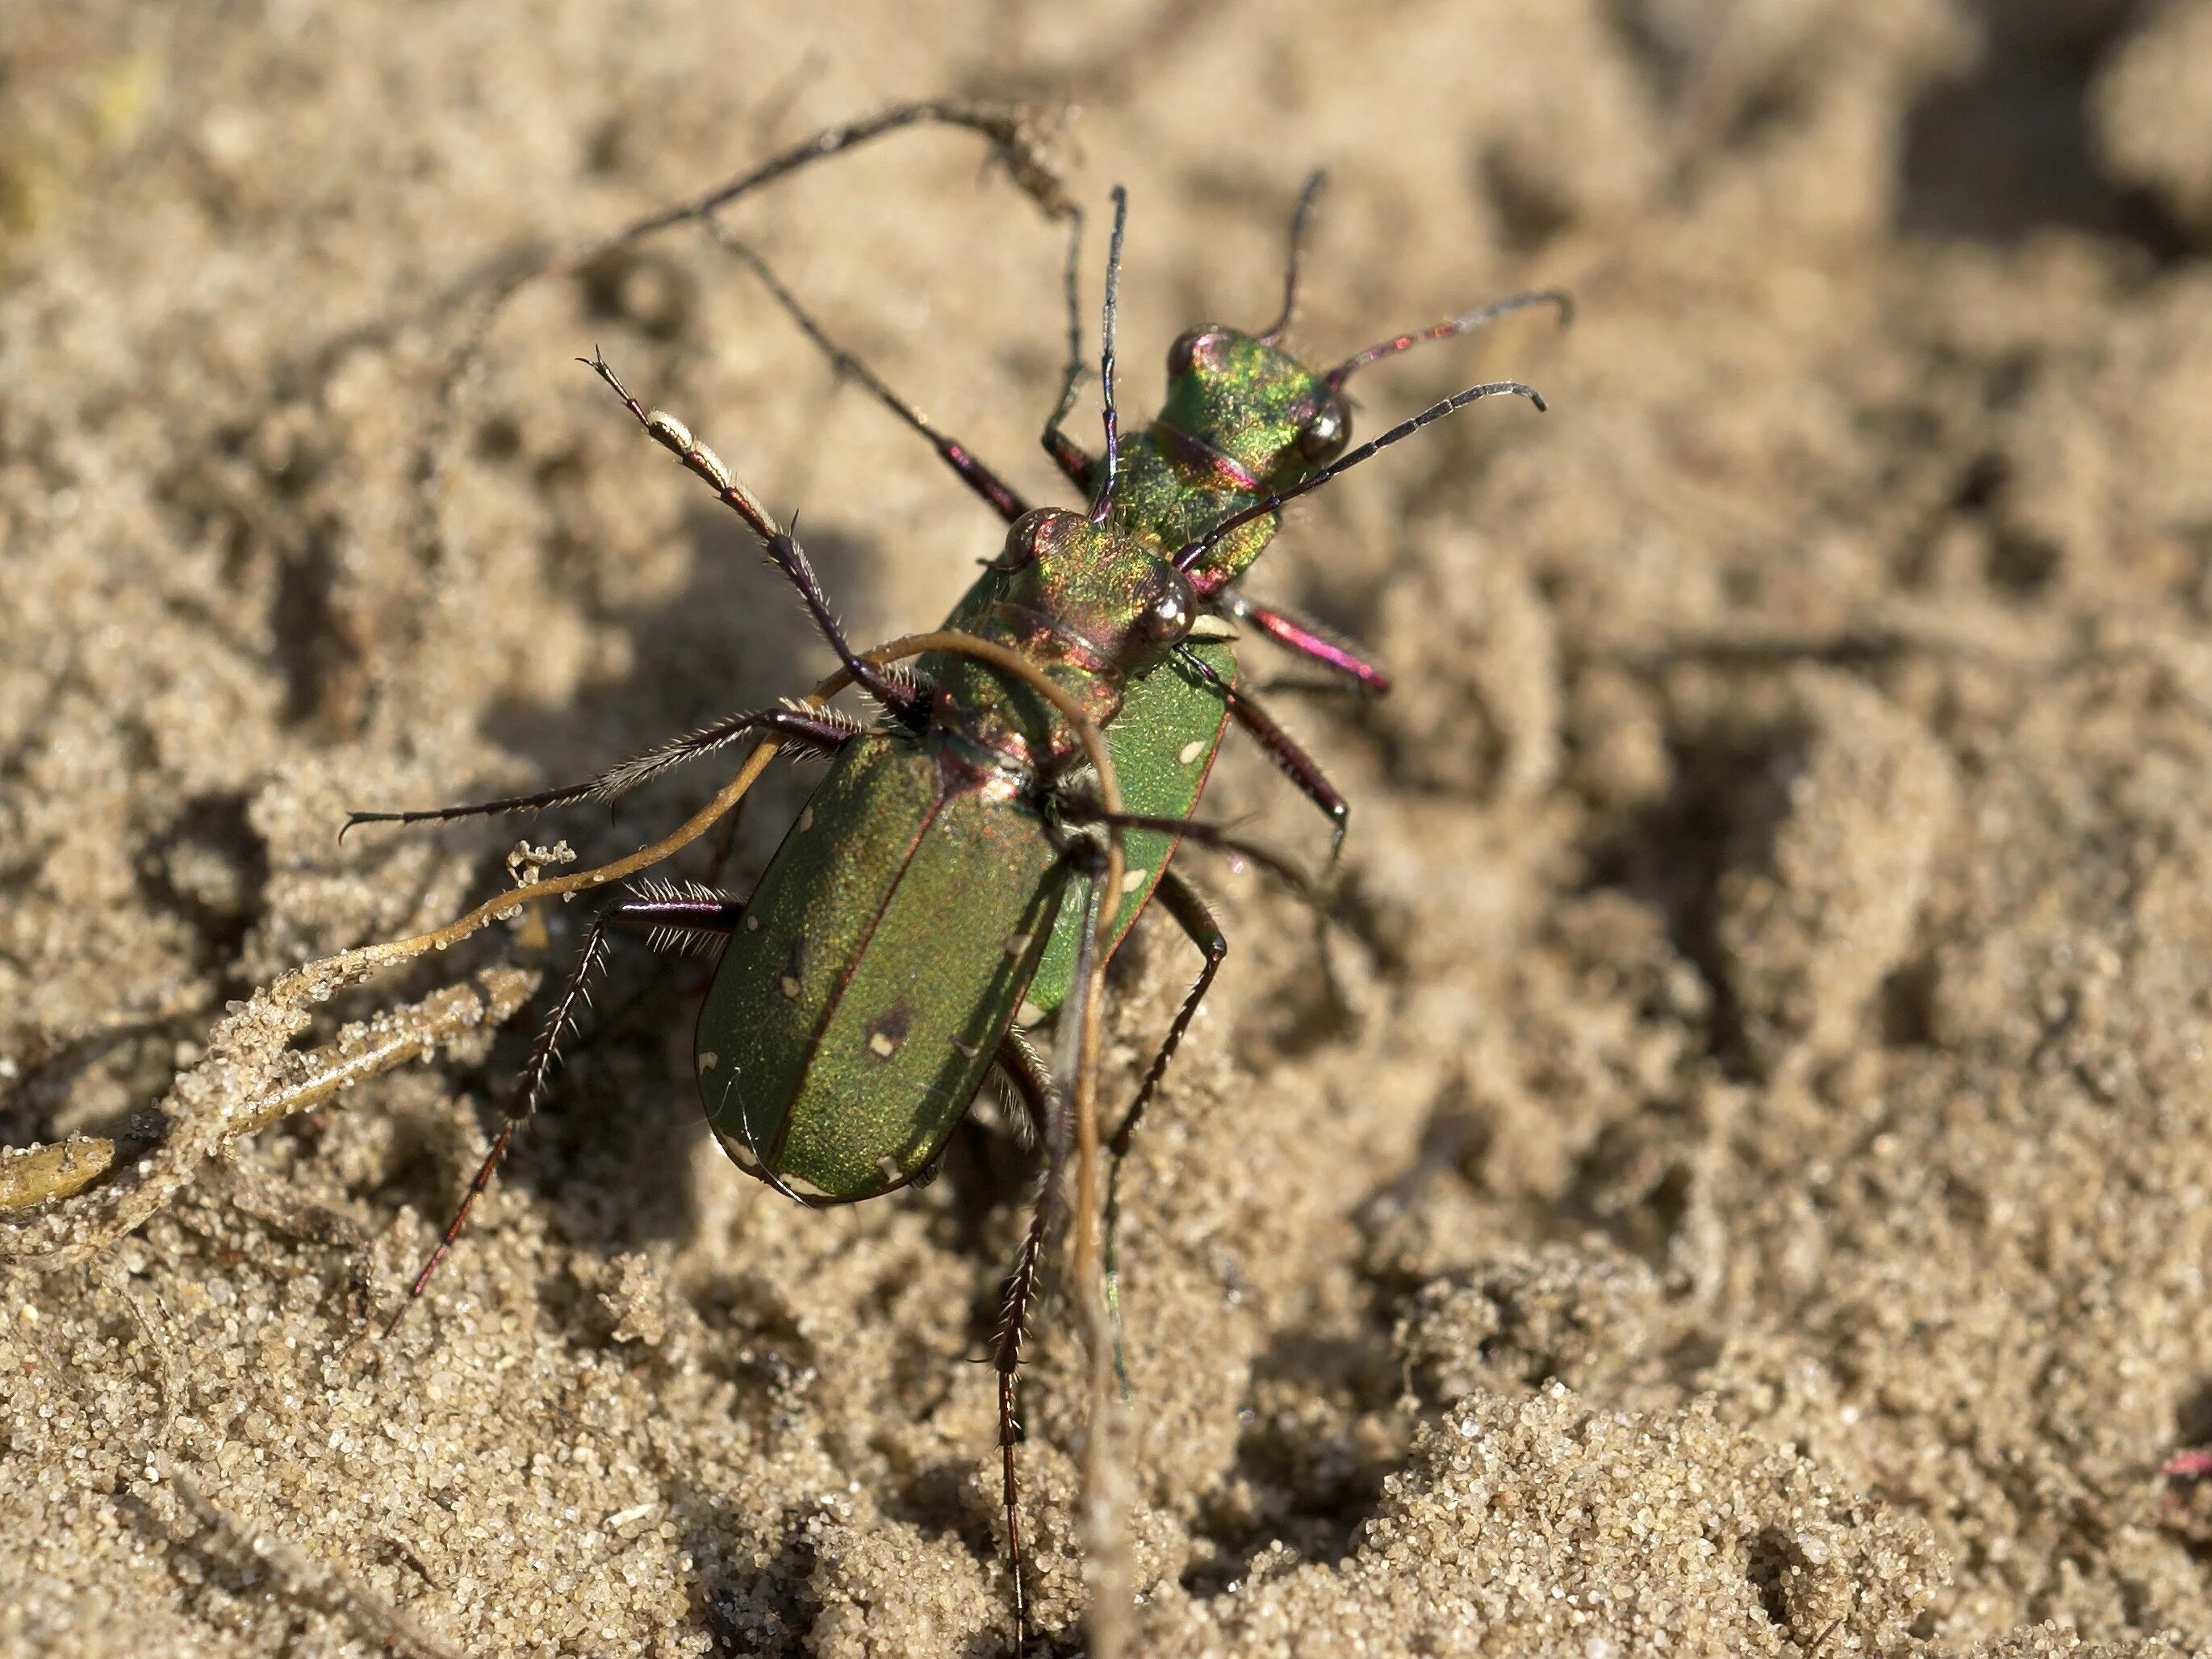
(1197, 922)
(972, 471)
(1025, 1069)
(673, 918)
(813, 731)
(894, 693)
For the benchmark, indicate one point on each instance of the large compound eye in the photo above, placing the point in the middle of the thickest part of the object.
(1026, 537)
(1321, 440)
(1173, 608)
(1200, 347)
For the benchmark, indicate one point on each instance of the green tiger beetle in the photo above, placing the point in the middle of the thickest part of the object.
(870, 982)
(1243, 418)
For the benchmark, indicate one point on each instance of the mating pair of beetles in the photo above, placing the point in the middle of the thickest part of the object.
(959, 842)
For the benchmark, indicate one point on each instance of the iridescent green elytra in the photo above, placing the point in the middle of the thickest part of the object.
(872, 976)
(860, 1003)
(1163, 742)
(1242, 419)
(884, 953)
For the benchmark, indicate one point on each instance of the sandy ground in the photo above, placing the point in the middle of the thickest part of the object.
(1757, 1200)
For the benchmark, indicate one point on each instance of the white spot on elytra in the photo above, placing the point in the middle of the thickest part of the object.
(1016, 944)
(752, 924)
(1133, 880)
(790, 986)
(1190, 751)
(888, 1167)
(1029, 1013)
(970, 1049)
(882, 1047)
(708, 1059)
(806, 820)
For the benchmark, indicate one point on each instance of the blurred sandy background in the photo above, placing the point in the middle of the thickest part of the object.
(1760, 1204)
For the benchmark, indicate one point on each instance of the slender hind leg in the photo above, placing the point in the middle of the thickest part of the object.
(673, 918)
(1051, 1114)
(1197, 922)
(1191, 913)
(819, 732)
(1016, 134)
(971, 468)
(1199, 925)
(899, 695)
(1305, 772)
(1068, 455)
(1013, 129)
(1025, 1069)
(1082, 470)
(1212, 836)
(1302, 769)
(1020, 136)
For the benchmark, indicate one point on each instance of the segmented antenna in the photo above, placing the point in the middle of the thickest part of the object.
(1110, 474)
(1192, 552)
(1299, 217)
(1444, 330)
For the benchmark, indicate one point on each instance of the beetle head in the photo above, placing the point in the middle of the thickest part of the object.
(1100, 583)
(1264, 411)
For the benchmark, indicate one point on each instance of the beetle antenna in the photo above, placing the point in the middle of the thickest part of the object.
(1110, 473)
(1299, 218)
(1445, 329)
(1188, 556)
